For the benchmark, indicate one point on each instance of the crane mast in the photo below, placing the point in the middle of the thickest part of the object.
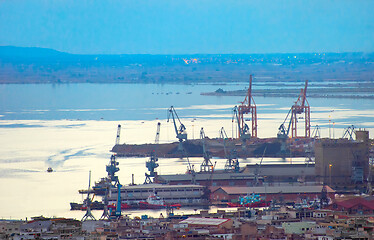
(207, 165)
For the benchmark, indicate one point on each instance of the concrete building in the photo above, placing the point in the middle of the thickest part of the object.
(342, 161)
(298, 227)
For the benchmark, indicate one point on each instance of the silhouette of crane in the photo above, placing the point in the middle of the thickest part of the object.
(299, 107)
(152, 164)
(232, 163)
(207, 165)
(88, 202)
(180, 131)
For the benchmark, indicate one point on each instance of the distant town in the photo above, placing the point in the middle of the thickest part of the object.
(39, 65)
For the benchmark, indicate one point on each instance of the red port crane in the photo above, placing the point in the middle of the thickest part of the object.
(301, 106)
(248, 106)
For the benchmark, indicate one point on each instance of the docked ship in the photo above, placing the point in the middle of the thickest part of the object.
(96, 205)
(138, 196)
(172, 195)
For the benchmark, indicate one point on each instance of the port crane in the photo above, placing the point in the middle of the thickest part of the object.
(181, 130)
(248, 106)
(348, 133)
(232, 163)
(316, 133)
(181, 135)
(257, 169)
(243, 130)
(118, 134)
(300, 106)
(283, 131)
(152, 164)
(88, 202)
(111, 169)
(207, 165)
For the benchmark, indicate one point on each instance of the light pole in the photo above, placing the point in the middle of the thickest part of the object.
(330, 166)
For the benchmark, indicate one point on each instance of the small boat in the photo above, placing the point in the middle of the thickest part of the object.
(152, 202)
(49, 169)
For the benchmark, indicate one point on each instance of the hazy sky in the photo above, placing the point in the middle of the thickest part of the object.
(189, 26)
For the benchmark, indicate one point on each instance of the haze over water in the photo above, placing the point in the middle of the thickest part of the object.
(72, 127)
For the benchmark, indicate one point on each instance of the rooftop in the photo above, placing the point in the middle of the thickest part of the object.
(205, 221)
(275, 189)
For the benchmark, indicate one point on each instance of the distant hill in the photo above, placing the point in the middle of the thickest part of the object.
(11, 52)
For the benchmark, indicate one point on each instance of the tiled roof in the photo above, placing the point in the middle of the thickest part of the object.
(347, 204)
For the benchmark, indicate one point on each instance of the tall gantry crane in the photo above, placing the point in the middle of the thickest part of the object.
(299, 107)
(152, 164)
(207, 165)
(232, 163)
(246, 107)
(181, 130)
(243, 130)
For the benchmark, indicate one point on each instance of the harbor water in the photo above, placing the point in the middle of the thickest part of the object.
(72, 127)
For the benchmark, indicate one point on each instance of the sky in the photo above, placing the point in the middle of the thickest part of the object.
(189, 26)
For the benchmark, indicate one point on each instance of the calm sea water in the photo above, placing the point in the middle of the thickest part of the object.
(72, 127)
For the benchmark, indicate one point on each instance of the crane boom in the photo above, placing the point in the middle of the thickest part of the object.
(223, 135)
(283, 131)
(304, 94)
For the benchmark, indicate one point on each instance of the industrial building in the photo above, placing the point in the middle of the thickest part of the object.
(284, 192)
(273, 173)
(217, 178)
(340, 162)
